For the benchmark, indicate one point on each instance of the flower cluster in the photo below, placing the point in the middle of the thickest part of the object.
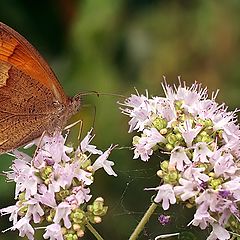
(201, 143)
(52, 189)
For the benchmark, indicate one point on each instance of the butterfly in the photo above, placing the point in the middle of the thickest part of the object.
(32, 101)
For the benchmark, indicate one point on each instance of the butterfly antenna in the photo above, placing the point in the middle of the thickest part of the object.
(99, 94)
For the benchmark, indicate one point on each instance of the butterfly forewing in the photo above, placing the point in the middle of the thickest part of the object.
(31, 98)
(17, 51)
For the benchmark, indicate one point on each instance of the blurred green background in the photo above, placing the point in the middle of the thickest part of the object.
(112, 46)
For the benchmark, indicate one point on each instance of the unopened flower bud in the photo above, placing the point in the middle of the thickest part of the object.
(97, 219)
(63, 230)
(76, 227)
(99, 199)
(78, 216)
(173, 176)
(164, 165)
(135, 140)
(159, 123)
(160, 173)
(80, 233)
(171, 138)
(163, 131)
(215, 183)
(179, 136)
(89, 169)
(169, 147)
(46, 172)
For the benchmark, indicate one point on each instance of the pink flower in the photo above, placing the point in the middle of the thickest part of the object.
(86, 147)
(218, 233)
(165, 194)
(102, 162)
(139, 111)
(79, 195)
(47, 196)
(195, 174)
(233, 187)
(62, 176)
(54, 147)
(202, 218)
(187, 189)
(144, 148)
(34, 210)
(225, 165)
(25, 178)
(201, 153)
(189, 132)
(53, 232)
(178, 158)
(52, 185)
(24, 228)
(62, 213)
(13, 211)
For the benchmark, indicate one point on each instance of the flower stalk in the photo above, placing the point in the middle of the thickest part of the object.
(143, 221)
(93, 231)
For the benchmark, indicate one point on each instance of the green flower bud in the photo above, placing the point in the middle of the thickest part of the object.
(209, 130)
(179, 136)
(171, 138)
(169, 147)
(163, 131)
(198, 138)
(206, 139)
(63, 230)
(203, 133)
(175, 128)
(51, 215)
(98, 208)
(173, 176)
(46, 172)
(215, 183)
(164, 165)
(62, 194)
(78, 216)
(159, 123)
(135, 140)
(70, 236)
(166, 178)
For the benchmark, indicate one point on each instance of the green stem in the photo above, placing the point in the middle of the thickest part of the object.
(93, 231)
(143, 221)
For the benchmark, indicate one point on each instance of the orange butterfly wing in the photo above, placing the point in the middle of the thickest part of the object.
(18, 52)
(31, 98)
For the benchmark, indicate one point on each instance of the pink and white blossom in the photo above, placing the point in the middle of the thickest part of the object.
(165, 195)
(52, 185)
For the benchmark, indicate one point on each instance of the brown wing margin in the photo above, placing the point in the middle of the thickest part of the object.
(17, 51)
